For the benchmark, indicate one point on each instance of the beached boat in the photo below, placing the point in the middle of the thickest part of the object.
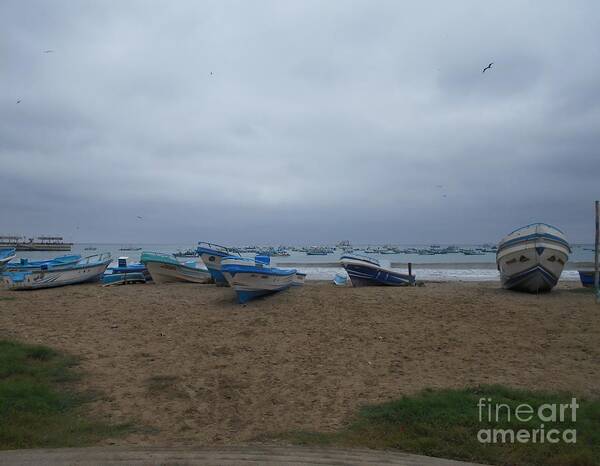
(164, 268)
(251, 278)
(532, 258)
(340, 279)
(586, 275)
(299, 279)
(27, 265)
(110, 279)
(366, 271)
(87, 269)
(6, 255)
(211, 255)
(125, 267)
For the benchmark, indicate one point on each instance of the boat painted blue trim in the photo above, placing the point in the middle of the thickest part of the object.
(7, 252)
(535, 224)
(246, 295)
(123, 278)
(360, 257)
(533, 237)
(366, 274)
(238, 268)
(516, 280)
(217, 276)
(25, 264)
(587, 278)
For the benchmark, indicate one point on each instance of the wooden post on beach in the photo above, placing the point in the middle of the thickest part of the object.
(596, 271)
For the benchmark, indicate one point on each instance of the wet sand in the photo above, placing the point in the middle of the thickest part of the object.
(191, 366)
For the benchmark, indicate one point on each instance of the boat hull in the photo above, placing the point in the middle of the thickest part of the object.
(123, 278)
(171, 273)
(299, 279)
(36, 279)
(363, 273)
(532, 258)
(251, 279)
(587, 278)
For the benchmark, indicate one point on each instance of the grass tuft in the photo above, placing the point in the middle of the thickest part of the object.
(38, 405)
(445, 423)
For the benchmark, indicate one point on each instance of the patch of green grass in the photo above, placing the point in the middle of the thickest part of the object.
(445, 423)
(38, 405)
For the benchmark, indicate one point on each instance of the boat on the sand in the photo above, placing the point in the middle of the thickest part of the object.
(367, 271)
(164, 268)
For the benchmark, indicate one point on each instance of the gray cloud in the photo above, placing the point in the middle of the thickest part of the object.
(320, 121)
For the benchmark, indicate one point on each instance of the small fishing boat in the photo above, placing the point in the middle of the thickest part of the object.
(340, 279)
(125, 267)
(211, 255)
(587, 277)
(90, 249)
(6, 255)
(130, 248)
(532, 258)
(164, 268)
(299, 279)
(85, 270)
(367, 271)
(110, 279)
(251, 278)
(27, 265)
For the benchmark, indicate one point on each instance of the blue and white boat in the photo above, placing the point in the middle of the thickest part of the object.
(211, 255)
(110, 279)
(125, 267)
(251, 278)
(25, 264)
(165, 268)
(367, 271)
(586, 275)
(50, 275)
(6, 255)
(340, 279)
(532, 258)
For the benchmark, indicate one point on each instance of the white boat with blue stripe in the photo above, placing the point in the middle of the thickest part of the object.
(165, 268)
(367, 271)
(6, 255)
(251, 278)
(532, 258)
(50, 275)
(212, 255)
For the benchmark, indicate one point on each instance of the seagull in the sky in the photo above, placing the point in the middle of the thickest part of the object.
(488, 67)
(48, 51)
(439, 185)
(139, 217)
(18, 101)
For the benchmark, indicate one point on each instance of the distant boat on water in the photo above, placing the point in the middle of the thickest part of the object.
(49, 275)
(532, 258)
(164, 268)
(367, 271)
(251, 278)
(41, 243)
(130, 248)
(186, 253)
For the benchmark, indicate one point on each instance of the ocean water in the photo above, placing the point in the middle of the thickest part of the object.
(442, 267)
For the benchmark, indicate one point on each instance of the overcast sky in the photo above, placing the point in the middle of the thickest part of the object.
(298, 121)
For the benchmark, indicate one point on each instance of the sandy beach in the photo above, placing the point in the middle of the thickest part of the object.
(188, 365)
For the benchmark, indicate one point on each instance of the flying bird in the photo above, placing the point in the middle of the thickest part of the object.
(18, 101)
(488, 67)
(48, 51)
(139, 217)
